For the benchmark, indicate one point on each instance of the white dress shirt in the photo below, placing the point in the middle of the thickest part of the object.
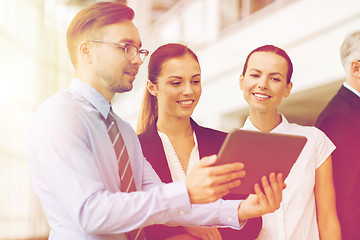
(75, 174)
(296, 217)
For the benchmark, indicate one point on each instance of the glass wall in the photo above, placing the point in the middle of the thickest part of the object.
(33, 66)
(232, 11)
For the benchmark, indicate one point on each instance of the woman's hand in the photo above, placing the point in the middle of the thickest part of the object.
(204, 233)
(263, 202)
(182, 237)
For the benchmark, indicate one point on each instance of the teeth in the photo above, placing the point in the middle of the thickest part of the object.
(186, 102)
(261, 96)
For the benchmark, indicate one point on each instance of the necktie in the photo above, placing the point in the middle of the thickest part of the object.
(125, 171)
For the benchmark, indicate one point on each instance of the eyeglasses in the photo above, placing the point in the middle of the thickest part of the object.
(131, 51)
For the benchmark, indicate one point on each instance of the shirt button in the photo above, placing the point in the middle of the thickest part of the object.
(181, 212)
(229, 219)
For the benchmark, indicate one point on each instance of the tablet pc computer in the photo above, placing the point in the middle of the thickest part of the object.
(262, 153)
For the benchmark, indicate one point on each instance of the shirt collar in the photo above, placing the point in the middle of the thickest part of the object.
(92, 96)
(195, 139)
(282, 127)
(351, 89)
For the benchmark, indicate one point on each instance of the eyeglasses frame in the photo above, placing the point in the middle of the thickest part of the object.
(144, 52)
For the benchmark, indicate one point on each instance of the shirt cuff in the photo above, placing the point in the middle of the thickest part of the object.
(229, 216)
(180, 203)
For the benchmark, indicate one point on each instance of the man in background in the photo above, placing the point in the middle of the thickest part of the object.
(340, 120)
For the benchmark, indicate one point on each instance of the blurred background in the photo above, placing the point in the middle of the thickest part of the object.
(34, 64)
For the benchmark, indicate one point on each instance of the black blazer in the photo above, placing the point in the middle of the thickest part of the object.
(209, 143)
(340, 120)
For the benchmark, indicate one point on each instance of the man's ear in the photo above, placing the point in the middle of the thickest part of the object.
(84, 50)
(151, 87)
(355, 68)
(241, 79)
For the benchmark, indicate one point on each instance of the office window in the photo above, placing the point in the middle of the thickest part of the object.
(256, 5)
(235, 10)
(159, 7)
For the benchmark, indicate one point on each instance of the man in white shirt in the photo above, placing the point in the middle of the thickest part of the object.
(340, 121)
(72, 161)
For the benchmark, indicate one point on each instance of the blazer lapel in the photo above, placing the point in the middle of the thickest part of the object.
(201, 139)
(153, 151)
(351, 97)
(209, 140)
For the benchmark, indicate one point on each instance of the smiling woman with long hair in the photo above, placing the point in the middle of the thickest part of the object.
(172, 141)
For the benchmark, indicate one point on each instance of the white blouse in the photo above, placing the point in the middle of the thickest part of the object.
(296, 217)
(176, 170)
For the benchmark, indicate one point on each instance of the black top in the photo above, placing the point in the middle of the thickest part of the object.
(209, 143)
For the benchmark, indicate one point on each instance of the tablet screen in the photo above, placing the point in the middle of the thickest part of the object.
(262, 153)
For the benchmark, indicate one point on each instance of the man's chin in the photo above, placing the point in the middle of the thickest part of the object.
(124, 89)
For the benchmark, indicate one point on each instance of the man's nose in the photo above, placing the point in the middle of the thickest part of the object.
(137, 60)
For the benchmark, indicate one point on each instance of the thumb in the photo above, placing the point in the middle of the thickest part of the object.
(208, 161)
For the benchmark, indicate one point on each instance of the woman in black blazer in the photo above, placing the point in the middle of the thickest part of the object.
(173, 91)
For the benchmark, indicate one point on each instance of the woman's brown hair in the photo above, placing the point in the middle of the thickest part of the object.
(149, 108)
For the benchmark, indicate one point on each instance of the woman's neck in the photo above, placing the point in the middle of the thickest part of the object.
(174, 126)
(265, 121)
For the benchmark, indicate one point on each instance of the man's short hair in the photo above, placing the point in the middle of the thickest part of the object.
(350, 49)
(93, 17)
